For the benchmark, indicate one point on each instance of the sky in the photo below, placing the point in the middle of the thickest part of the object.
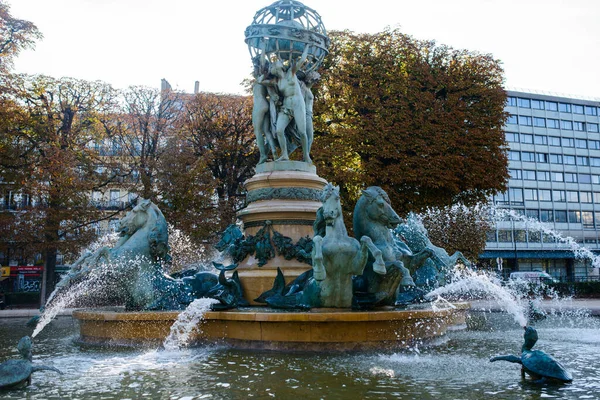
(550, 46)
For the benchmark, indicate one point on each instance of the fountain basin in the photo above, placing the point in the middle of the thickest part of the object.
(265, 329)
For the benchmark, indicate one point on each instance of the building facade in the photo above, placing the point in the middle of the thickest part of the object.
(554, 163)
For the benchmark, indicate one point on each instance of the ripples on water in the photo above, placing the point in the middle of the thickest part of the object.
(457, 367)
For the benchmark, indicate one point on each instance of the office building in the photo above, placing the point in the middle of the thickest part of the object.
(554, 163)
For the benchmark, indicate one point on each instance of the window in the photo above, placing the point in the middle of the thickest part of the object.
(569, 160)
(564, 107)
(581, 143)
(546, 216)
(540, 122)
(557, 176)
(113, 225)
(577, 109)
(511, 101)
(512, 137)
(515, 174)
(585, 178)
(597, 197)
(514, 155)
(556, 158)
(501, 198)
(543, 175)
(525, 138)
(544, 195)
(516, 195)
(542, 157)
(540, 139)
(582, 160)
(567, 142)
(578, 126)
(574, 217)
(527, 156)
(592, 127)
(534, 236)
(552, 123)
(589, 110)
(532, 214)
(594, 144)
(530, 194)
(529, 175)
(114, 198)
(524, 103)
(551, 106)
(504, 236)
(587, 218)
(490, 236)
(572, 196)
(537, 104)
(570, 178)
(525, 120)
(559, 196)
(554, 140)
(595, 161)
(567, 125)
(596, 179)
(512, 119)
(560, 216)
(585, 197)
(520, 236)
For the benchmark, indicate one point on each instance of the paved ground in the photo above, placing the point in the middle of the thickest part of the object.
(26, 312)
(593, 305)
(574, 304)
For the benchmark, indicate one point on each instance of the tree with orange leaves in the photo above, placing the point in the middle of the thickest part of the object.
(424, 122)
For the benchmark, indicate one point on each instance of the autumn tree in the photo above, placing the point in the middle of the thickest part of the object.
(459, 228)
(15, 35)
(187, 190)
(424, 122)
(138, 134)
(47, 145)
(219, 130)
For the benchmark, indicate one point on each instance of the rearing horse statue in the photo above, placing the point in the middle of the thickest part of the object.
(337, 256)
(374, 218)
(135, 262)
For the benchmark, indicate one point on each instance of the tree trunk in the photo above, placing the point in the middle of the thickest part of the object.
(49, 273)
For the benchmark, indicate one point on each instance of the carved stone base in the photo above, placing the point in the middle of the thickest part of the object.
(317, 330)
(287, 195)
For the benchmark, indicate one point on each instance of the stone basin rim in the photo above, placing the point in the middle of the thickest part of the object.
(261, 314)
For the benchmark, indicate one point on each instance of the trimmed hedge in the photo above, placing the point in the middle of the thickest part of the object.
(16, 298)
(577, 289)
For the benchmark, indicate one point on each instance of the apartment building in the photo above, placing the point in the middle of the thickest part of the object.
(554, 163)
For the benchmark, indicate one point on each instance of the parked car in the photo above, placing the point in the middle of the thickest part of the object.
(533, 276)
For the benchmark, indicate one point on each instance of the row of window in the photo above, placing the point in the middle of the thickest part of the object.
(518, 195)
(554, 176)
(527, 138)
(587, 218)
(545, 158)
(551, 106)
(552, 123)
(523, 236)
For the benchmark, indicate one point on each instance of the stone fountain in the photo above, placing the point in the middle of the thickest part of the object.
(297, 281)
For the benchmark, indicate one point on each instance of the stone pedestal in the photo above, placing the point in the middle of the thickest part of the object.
(287, 194)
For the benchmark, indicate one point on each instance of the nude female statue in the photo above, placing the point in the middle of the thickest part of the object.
(293, 107)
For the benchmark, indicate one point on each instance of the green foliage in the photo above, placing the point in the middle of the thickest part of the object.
(424, 122)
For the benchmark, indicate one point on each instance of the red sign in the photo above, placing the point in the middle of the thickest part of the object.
(28, 270)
